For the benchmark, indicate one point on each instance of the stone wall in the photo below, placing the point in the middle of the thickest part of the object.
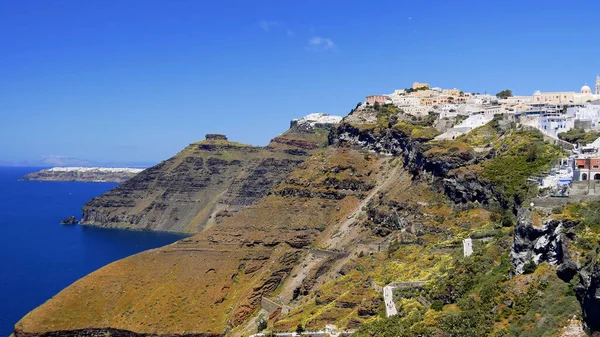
(403, 285)
(585, 187)
(271, 306)
(555, 202)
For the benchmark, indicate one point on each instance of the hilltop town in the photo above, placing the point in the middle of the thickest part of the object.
(550, 112)
(570, 119)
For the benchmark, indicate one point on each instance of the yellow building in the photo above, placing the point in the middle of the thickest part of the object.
(417, 85)
(451, 92)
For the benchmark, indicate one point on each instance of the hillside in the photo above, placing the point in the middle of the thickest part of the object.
(382, 205)
(203, 183)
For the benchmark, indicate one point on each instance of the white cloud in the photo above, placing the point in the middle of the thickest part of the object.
(320, 43)
(267, 25)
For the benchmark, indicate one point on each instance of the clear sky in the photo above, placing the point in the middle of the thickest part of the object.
(137, 80)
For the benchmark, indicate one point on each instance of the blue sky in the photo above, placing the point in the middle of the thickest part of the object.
(136, 81)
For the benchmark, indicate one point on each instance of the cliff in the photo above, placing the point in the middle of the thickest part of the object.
(381, 203)
(83, 174)
(201, 184)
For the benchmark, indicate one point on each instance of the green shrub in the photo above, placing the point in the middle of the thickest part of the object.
(529, 267)
(437, 305)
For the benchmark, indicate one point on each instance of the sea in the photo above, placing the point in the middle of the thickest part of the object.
(38, 256)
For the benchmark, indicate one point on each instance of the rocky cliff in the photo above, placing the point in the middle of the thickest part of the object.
(381, 203)
(565, 237)
(204, 182)
(213, 282)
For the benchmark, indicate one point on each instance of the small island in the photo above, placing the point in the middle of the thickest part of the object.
(84, 174)
(71, 220)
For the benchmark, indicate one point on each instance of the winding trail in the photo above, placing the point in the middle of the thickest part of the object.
(342, 236)
(345, 232)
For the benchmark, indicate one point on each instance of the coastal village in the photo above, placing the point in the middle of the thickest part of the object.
(552, 113)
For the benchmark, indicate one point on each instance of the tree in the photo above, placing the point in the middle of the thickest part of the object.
(261, 324)
(504, 94)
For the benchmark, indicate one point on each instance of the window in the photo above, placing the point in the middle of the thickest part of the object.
(595, 166)
(597, 176)
(584, 176)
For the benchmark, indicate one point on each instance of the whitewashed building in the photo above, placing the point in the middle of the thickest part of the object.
(417, 110)
(588, 112)
(553, 123)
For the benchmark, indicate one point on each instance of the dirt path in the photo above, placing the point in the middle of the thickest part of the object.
(343, 234)
(342, 237)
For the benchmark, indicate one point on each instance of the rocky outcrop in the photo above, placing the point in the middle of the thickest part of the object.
(215, 136)
(549, 243)
(588, 292)
(537, 244)
(416, 159)
(468, 188)
(69, 221)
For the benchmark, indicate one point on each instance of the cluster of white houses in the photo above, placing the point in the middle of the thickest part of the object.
(550, 112)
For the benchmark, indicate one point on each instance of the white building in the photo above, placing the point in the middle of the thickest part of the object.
(553, 123)
(401, 101)
(588, 112)
(417, 110)
(477, 120)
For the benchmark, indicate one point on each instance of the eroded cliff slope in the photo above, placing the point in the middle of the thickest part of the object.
(382, 204)
(214, 281)
(199, 184)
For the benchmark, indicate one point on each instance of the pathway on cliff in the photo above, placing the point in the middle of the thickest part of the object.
(342, 236)
(346, 231)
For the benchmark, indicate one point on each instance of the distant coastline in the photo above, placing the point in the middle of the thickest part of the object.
(84, 174)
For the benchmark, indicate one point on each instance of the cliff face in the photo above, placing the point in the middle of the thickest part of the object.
(380, 204)
(565, 240)
(200, 184)
(213, 282)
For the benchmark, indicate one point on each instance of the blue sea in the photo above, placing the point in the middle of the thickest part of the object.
(39, 256)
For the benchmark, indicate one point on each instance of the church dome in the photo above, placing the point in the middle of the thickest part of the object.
(586, 90)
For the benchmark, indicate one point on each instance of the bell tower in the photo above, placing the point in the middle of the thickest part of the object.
(597, 85)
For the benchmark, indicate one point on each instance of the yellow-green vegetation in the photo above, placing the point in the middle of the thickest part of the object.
(449, 148)
(416, 132)
(579, 136)
(586, 217)
(522, 154)
(483, 136)
(473, 297)
(316, 135)
(350, 300)
(386, 114)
